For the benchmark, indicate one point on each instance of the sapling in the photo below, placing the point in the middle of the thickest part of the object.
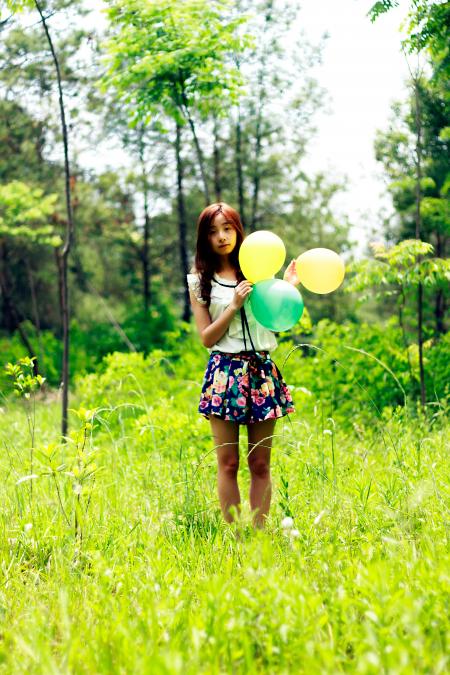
(26, 384)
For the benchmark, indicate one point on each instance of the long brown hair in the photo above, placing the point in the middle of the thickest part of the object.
(206, 261)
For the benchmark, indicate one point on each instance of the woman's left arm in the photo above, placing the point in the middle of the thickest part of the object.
(290, 274)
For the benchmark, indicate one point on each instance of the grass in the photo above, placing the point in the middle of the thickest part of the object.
(159, 583)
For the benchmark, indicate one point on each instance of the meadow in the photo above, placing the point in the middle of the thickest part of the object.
(115, 557)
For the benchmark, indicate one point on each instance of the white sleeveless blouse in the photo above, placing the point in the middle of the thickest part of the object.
(233, 339)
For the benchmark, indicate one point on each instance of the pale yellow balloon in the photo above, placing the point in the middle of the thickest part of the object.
(320, 270)
(261, 255)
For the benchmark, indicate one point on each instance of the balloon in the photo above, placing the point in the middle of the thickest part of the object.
(276, 304)
(320, 270)
(261, 255)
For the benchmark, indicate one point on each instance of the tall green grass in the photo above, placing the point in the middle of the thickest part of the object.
(159, 583)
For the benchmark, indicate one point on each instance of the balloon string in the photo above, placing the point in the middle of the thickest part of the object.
(245, 321)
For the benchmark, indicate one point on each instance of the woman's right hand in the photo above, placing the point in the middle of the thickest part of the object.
(241, 292)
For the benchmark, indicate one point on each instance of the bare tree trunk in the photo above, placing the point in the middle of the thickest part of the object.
(418, 219)
(182, 227)
(184, 107)
(239, 172)
(259, 121)
(37, 321)
(401, 309)
(79, 272)
(69, 237)
(439, 304)
(256, 168)
(216, 158)
(146, 245)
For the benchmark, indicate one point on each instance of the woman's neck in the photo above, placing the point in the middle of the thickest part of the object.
(227, 272)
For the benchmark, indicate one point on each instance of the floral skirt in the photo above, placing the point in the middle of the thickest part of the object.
(244, 388)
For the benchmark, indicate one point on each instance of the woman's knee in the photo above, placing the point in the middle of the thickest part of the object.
(259, 467)
(229, 465)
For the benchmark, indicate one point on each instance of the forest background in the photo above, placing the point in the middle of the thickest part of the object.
(211, 102)
(234, 126)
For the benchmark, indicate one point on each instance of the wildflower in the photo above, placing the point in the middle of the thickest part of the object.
(319, 517)
(28, 526)
(287, 523)
(295, 534)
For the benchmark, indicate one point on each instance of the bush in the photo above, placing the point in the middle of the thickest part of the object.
(354, 384)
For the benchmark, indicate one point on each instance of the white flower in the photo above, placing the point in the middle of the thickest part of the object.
(295, 534)
(319, 517)
(28, 526)
(287, 523)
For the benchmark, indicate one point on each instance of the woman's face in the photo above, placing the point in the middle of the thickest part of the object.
(222, 235)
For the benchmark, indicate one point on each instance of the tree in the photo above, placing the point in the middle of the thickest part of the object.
(394, 272)
(64, 253)
(25, 214)
(170, 59)
(428, 28)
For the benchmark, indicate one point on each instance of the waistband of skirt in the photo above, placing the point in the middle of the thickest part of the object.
(241, 355)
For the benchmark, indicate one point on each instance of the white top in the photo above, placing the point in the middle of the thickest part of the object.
(233, 340)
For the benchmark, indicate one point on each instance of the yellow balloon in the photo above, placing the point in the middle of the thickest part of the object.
(261, 255)
(320, 270)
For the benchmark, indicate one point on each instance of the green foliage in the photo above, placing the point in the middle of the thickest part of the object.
(357, 370)
(18, 5)
(173, 56)
(427, 27)
(92, 338)
(23, 380)
(25, 212)
(361, 588)
(397, 267)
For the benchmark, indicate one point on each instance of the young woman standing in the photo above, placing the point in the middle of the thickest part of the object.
(241, 385)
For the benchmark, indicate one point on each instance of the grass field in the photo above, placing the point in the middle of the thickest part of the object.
(119, 561)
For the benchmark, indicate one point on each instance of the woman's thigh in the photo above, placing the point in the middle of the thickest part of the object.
(226, 440)
(260, 435)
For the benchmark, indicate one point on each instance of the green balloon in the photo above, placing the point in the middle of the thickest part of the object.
(276, 304)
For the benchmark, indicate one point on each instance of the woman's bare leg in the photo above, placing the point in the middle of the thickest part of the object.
(226, 439)
(259, 447)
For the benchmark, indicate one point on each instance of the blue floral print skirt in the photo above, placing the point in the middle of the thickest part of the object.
(244, 388)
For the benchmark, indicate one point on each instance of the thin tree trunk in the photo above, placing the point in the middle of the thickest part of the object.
(439, 312)
(182, 227)
(439, 304)
(259, 122)
(146, 244)
(418, 219)
(37, 321)
(256, 168)
(184, 107)
(69, 237)
(239, 171)
(216, 158)
(401, 308)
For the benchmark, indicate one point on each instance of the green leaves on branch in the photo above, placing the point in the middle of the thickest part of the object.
(24, 214)
(427, 28)
(23, 378)
(399, 266)
(17, 5)
(173, 56)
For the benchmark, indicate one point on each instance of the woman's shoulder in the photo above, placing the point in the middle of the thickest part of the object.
(193, 275)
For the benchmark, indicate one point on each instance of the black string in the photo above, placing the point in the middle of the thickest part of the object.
(244, 321)
(256, 359)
